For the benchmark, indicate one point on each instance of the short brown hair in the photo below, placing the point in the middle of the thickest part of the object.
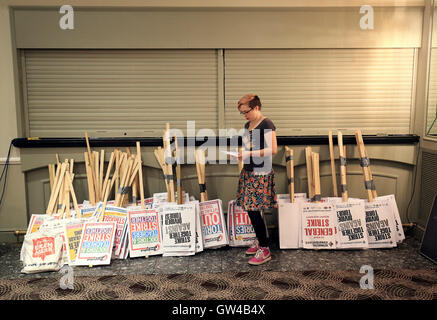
(251, 99)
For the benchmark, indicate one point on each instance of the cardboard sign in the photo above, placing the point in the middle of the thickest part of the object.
(285, 197)
(213, 224)
(36, 220)
(351, 225)
(73, 233)
(96, 243)
(380, 224)
(400, 236)
(178, 229)
(289, 225)
(241, 231)
(199, 235)
(318, 226)
(119, 216)
(148, 202)
(144, 233)
(42, 252)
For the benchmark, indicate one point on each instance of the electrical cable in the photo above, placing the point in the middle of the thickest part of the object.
(5, 174)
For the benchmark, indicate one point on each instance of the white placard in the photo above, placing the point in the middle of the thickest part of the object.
(213, 224)
(380, 224)
(318, 226)
(351, 225)
(178, 229)
(289, 225)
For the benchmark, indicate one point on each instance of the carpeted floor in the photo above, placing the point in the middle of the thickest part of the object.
(389, 284)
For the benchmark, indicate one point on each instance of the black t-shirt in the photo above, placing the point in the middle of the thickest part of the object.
(255, 140)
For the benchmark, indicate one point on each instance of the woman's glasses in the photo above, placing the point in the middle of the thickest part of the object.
(245, 112)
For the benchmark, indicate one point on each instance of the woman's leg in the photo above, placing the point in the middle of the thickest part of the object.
(260, 227)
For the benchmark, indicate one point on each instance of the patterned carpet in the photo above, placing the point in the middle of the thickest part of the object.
(397, 284)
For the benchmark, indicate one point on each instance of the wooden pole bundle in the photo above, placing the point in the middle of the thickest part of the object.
(333, 173)
(341, 148)
(62, 190)
(127, 170)
(290, 171)
(159, 155)
(200, 167)
(365, 165)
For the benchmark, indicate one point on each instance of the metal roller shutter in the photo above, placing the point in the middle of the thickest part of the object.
(309, 91)
(119, 92)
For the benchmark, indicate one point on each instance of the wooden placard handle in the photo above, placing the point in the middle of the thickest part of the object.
(343, 180)
(290, 171)
(333, 173)
(308, 158)
(316, 174)
(364, 163)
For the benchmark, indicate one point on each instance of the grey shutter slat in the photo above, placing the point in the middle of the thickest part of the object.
(113, 92)
(312, 91)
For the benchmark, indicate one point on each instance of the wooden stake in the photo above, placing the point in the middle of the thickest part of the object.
(178, 172)
(200, 167)
(344, 192)
(333, 173)
(316, 175)
(308, 157)
(51, 206)
(89, 175)
(290, 171)
(140, 175)
(364, 163)
(51, 175)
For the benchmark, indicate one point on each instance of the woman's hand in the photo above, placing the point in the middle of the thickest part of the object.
(243, 155)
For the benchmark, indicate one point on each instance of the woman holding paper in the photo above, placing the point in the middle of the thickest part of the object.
(256, 187)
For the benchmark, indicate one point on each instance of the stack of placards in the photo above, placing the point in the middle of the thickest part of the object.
(240, 230)
(119, 216)
(144, 233)
(178, 224)
(213, 224)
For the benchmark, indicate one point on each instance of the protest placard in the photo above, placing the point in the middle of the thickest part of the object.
(144, 233)
(96, 243)
(318, 226)
(242, 233)
(119, 216)
(178, 224)
(380, 224)
(351, 224)
(400, 236)
(73, 233)
(213, 224)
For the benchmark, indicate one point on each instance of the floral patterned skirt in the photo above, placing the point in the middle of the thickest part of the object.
(256, 192)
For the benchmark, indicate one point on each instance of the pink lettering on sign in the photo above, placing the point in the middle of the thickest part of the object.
(43, 247)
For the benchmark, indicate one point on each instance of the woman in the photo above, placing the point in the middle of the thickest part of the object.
(256, 187)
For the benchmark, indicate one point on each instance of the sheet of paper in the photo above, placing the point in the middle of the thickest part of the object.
(231, 153)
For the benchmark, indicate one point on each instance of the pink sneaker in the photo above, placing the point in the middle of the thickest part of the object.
(254, 248)
(261, 256)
